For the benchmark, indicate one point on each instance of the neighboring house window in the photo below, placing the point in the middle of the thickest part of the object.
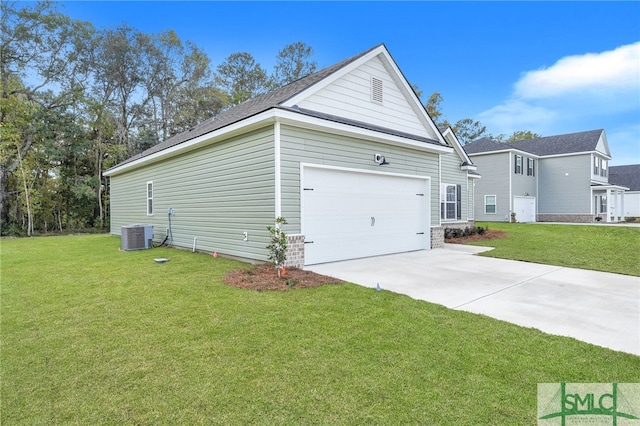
(596, 171)
(603, 204)
(603, 168)
(518, 165)
(376, 90)
(451, 202)
(531, 167)
(149, 198)
(490, 204)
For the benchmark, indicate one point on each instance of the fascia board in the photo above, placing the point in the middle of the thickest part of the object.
(397, 75)
(331, 78)
(285, 117)
(598, 186)
(569, 154)
(254, 122)
(506, 150)
(300, 120)
(456, 145)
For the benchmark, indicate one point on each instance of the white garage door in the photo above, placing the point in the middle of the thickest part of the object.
(347, 214)
(525, 209)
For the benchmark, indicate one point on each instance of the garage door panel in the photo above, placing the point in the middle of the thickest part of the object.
(348, 214)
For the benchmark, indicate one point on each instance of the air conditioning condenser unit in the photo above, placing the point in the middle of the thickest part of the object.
(136, 237)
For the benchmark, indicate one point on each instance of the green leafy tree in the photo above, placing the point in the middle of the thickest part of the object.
(241, 77)
(518, 135)
(468, 130)
(292, 63)
(42, 45)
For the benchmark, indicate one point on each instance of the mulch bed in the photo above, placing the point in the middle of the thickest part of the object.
(489, 234)
(264, 277)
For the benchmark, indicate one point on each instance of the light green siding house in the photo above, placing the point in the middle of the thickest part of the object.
(347, 155)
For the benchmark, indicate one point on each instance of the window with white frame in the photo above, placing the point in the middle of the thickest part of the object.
(603, 204)
(518, 165)
(596, 170)
(603, 168)
(490, 204)
(531, 167)
(451, 202)
(149, 198)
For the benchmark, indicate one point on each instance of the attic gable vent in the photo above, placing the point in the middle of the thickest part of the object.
(376, 90)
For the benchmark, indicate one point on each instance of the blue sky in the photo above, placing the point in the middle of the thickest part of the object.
(548, 67)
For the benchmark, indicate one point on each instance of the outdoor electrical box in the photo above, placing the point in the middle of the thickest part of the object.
(136, 237)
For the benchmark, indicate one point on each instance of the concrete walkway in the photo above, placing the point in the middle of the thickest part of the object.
(596, 307)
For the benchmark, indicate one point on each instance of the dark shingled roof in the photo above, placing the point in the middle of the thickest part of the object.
(549, 145)
(268, 101)
(628, 176)
(485, 145)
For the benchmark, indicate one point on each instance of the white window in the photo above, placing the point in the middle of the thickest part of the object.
(518, 165)
(603, 168)
(451, 202)
(490, 204)
(531, 167)
(603, 204)
(149, 198)
(595, 166)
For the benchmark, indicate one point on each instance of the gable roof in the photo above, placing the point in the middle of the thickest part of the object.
(546, 146)
(452, 139)
(485, 145)
(278, 99)
(628, 176)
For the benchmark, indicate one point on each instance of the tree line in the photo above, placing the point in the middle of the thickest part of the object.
(76, 100)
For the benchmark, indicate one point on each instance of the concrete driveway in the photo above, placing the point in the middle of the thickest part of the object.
(596, 307)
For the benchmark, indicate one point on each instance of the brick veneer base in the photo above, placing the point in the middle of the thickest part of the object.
(569, 218)
(437, 237)
(295, 251)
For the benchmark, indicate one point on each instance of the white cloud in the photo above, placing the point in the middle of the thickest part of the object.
(514, 115)
(616, 70)
(583, 92)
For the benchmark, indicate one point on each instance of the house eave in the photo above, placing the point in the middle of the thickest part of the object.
(285, 117)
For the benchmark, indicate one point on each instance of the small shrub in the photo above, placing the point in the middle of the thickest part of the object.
(450, 233)
(630, 219)
(291, 282)
(278, 245)
(480, 230)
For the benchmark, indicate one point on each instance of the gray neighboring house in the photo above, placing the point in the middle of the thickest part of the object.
(563, 178)
(348, 155)
(628, 176)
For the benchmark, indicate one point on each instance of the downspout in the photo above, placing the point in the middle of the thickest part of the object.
(509, 166)
(439, 189)
(277, 166)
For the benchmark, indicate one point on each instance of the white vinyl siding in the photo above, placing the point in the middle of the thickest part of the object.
(350, 97)
(149, 198)
(490, 204)
(218, 192)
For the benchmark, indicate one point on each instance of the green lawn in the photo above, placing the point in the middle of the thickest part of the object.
(601, 248)
(91, 335)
